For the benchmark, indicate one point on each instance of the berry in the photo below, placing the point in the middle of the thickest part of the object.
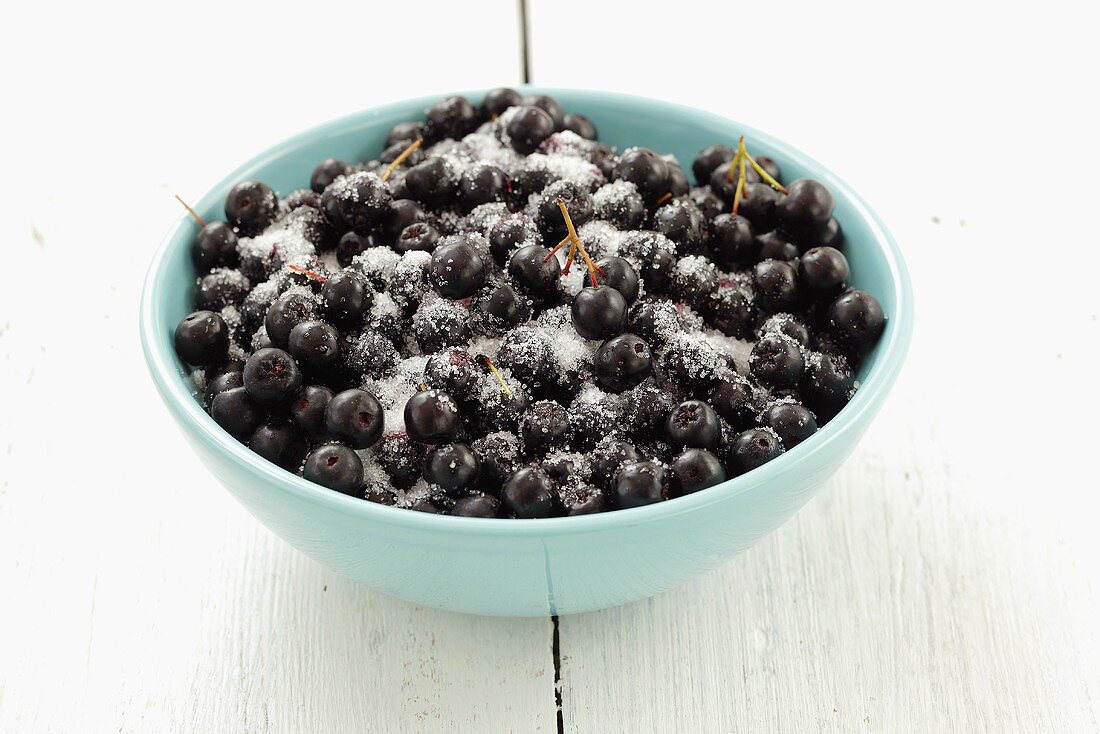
(451, 117)
(758, 206)
(456, 270)
(499, 456)
(358, 201)
(548, 216)
(405, 132)
(623, 362)
(215, 246)
(431, 416)
(289, 310)
(315, 346)
(653, 256)
(543, 426)
(481, 184)
(581, 125)
(271, 376)
(400, 214)
(583, 500)
(529, 493)
(350, 245)
(303, 197)
(527, 128)
(280, 443)
(441, 323)
(417, 236)
(425, 505)
(655, 320)
(531, 271)
(221, 382)
(776, 360)
(308, 411)
(336, 467)
(709, 159)
(639, 483)
(503, 307)
(453, 467)
(402, 458)
(506, 235)
(236, 412)
(477, 505)
(646, 170)
(693, 279)
(599, 313)
(785, 323)
(354, 417)
(452, 371)
(619, 274)
(805, 211)
(370, 355)
(752, 448)
(608, 456)
(776, 284)
(695, 469)
(708, 203)
(432, 182)
(774, 246)
(345, 299)
(496, 101)
(326, 172)
(731, 241)
(250, 207)
(395, 151)
(693, 423)
(730, 311)
(683, 223)
(856, 317)
(831, 236)
(827, 383)
(735, 400)
(792, 422)
(202, 339)
(549, 105)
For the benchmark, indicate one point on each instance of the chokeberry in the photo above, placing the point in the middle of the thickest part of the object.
(857, 318)
(432, 183)
(236, 412)
(308, 411)
(450, 117)
(599, 313)
(776, 284)
(647, 171)
(508, 234)
(345, 299)
(417, 236)
(753, 448)
(251, 206)
(787, 324)
(549, 105)
(775, 246)
(399, 215)
(355, 418)
(477, 505)
(529, 493)
(315, 346)
(543, 426)
(623, 362)
(502, 306)
(326, 172)
(735, 400)
(827, 383)
(776, 360)
(693, 423)
(225, 380)
(731, 240)
(456, 269)
(496, 101)
(805, 211)
(581, 125)
(202, 339)
(534, 273)
(682, 222)
(271, 376)
(336, 467)
(215, 247)
(695, 469)
(619, 274)
(350, 245)
(453, 466)
(639, 483)
(405, 132)
(792, 422)
(358, 201)
(289, 310)
(431, 416)
(758, 206)
(608, 456)
(583, 500)
(710, 158)
(482, 184)
(527, 128)
(280, 443)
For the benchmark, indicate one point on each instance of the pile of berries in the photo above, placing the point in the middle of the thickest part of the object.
(501, 316)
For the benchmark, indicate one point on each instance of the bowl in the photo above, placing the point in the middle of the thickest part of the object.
(546, 566)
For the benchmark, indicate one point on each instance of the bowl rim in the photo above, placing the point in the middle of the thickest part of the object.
(162, 363)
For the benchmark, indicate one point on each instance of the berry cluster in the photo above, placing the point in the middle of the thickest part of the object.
(501, 316)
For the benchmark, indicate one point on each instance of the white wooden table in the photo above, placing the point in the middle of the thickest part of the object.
(945, 580)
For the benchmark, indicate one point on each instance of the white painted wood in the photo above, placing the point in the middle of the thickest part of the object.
(944, 581)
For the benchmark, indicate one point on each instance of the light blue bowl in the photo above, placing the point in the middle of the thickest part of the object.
(530, 567)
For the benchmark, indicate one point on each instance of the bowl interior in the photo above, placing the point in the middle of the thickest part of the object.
(622, 121)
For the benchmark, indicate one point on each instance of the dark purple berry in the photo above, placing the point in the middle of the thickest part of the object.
(776, 284)
(481, 184)
(549, 105)
(695, 469)
(710, 158)
(529, 493)
(694, 424)
(236, 412)
(534, 273)
(623, 362)
(289, 310)
(358, 201)
(453, 467)
(856, 317)
(202, 339)
(618, 273)
(792, 422)
(776, 360)
(336, 467)
(805, 211)
(271, 376)
(527, 128)
(639, 483)
(326, 172)
(280, 443)
(456, 270)
(581, 125)
(250, 207)
(315, 346)
(345, 299)
(308, 411)
(406, 132)
(354, 417)
(647, 171)
(431, 416)
(432, 183)
(496, 101)
(215, 247)
(417, 236)
(477, 505)
(451, 117)
(752, 448)
(545, 425)
(735, 400)
(731, 240)
(599, 313)
(827, 383)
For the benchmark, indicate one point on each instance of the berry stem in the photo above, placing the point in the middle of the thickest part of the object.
(578, 246)
(557, 247)
(664, 198)
(194, 214)
(488, 364)
(401, 158)
(739, 159)
(311, 274)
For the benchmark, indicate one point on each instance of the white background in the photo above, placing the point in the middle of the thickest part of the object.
(945, 580)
